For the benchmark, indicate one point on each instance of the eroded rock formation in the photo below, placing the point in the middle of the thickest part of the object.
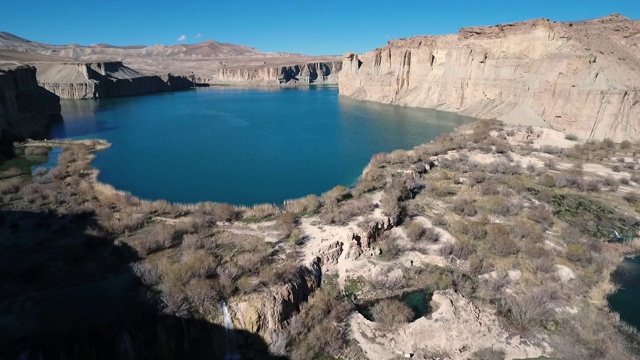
(264, 312)
(26, 109)
(78, 80)
(361, 242)
(581, 77)
(309, 73)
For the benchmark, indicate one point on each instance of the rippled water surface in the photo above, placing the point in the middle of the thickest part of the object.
(243, 146)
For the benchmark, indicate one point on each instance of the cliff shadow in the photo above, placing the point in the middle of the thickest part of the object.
(68, 292)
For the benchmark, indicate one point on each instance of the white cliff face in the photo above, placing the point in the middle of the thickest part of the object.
(581, 78)
(306, 73)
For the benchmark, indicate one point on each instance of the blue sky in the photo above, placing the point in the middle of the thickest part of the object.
(309, 27)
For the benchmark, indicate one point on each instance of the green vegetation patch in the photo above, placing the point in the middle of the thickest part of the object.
(592, 217)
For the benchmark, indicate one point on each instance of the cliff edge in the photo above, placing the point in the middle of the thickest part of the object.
(91, 80)
(26, 109)
(578, 77)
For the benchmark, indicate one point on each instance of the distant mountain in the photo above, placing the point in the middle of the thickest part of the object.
(205, 59)
(101, 52)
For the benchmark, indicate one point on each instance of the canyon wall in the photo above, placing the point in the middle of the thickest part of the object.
(309, 73)
(581, 78)
(26, 109)
(79, 80)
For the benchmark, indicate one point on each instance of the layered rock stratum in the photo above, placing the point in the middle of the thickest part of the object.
(79, 80)
(26, 109)
(208, 62)
(578, 77)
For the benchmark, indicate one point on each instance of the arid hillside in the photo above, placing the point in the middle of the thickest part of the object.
(209, 61)
(581, 77)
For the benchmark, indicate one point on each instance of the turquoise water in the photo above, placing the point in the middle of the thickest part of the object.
(243, 146)
(625, 300)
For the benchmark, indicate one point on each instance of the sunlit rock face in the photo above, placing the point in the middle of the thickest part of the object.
(580, 77)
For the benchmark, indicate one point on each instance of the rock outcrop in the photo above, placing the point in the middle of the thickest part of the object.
(581, 77)
(26, 109)
(79, 80)
(361, 242)
(309, 73)
(456, 327)
(264, 312)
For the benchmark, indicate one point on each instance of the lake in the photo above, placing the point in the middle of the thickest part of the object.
(625, 300)
(243, 146)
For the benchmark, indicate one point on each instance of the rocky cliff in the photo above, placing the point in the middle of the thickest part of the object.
(580, 77)
(80, 80)
(26, 109)
(308, 73)
(265, 312)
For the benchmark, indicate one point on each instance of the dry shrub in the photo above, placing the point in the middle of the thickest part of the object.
(192, 242)
(148, 274)
(390, 313)
(478, 265)
(545, 265)
(316, 331)
(164, 233)
(499, 206)
(611, 181)
(345, 212)
(540, 214)
(547, 180)
(250, 262)
(261, 211)
(287, 222)
(578, 253)
(431, 235)
(567, 180)
(10, 186)
(461, 249)
(203, 296)
(218, 211)
(414, 229)
(398, 157)
(474, 229)
(335, 195)
(488, 188)
(590, 185)
(631, 197)
(279, 273)
(528, 311)
(528, 231)
(500, 238)
(488, 354)
(389, 247)
(309, 203)
(464, 206)
(477, 177)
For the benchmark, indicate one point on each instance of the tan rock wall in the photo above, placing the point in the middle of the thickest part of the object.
(581, 78)
(310, 73)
